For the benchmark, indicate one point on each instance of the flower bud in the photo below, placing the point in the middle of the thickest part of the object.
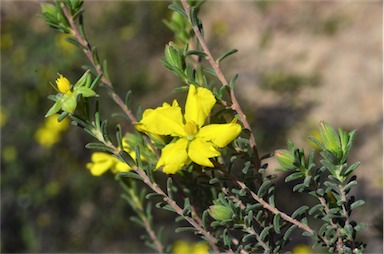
(48, 9)
(63, 84)
(285, 158)
(220, 212)
(330, 139)
(173, 56)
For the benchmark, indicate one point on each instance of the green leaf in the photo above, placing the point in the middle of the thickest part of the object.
(127, 158)
(153, 195)
(185, 229)
(210, 70)
(349, 186)
(293, 176)
(169, 188)
(104, 131)
(139, 113)
(289, 232)
(299, 187)
(276, 223)
(357, 204)
(99, 146)
(105, 70)
(265, 232)
(247, 237)
(85, 91)
(318, 207)
(360, 227)
(55, 108)
(74, 42)
(137, 221)
(351, 168)
(226, 54)
(263, 188)
(131, 175)
(165, 206)
(226, 239)
(330, 139)
(177, 8)
(96, 82)
(300, 211)
(128, 99)
(195, 52)
(62, 116)
(193, 16)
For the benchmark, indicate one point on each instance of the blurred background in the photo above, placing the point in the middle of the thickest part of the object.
(299, 62)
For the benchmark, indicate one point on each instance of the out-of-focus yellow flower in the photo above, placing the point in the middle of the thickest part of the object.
(193, 141)
(302, 249)
(62, 43)
(102, 162)
(49, 133)
(6, 41)
(183, 247)
(3, 116)
(9, 153)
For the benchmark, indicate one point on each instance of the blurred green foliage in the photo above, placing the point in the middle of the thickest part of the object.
(50, 202)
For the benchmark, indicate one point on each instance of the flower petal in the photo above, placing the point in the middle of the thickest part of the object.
(173, 156)
(199, 104)
(200, 151)
(120, 167)
(219, 134)
(165, 120)
(101, 162)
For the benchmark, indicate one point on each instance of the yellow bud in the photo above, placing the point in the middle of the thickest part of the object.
(63, 84)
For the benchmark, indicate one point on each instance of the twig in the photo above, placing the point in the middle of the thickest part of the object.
(235, 104)
(88, 52)
(274, 210)
(247, 229)
(139, 209)
(211, 239)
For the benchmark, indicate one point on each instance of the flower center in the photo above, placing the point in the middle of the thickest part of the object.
(191, 129)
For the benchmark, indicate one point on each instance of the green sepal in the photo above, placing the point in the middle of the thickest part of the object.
(85, 91)
(54, 109)
(69, 103)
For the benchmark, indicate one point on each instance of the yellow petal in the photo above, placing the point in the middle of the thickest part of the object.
(199, 104)
(165, 120)
(219, 134)
(120, 167)
(63, 84)
(173, 156)
(101, 162)
(200, 151)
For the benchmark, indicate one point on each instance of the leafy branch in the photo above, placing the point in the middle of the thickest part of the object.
(235, 104)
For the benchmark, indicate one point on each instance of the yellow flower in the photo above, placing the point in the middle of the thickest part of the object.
(3, 116)
(193, 141)
(183, 247)
(302, 249)
(101, 162)
(49, 132)
(62, 44)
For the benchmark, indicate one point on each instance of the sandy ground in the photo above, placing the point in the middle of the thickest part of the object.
(339, 41)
